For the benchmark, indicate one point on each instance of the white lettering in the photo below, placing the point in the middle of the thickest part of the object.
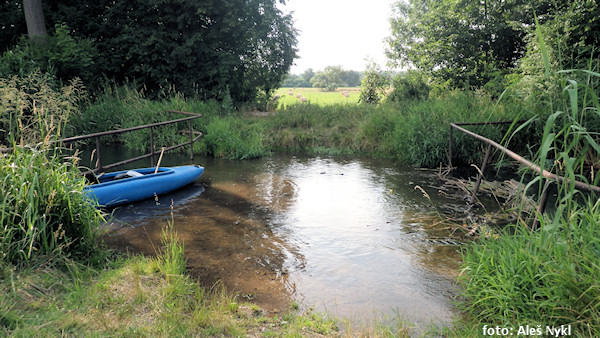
(530, 331)
(563, 330)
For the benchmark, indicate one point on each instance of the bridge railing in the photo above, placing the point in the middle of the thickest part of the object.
(100, 166)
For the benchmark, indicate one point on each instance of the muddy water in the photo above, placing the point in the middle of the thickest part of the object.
(349, 236)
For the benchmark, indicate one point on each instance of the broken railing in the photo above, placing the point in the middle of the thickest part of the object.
(194, 136)
(550, 177)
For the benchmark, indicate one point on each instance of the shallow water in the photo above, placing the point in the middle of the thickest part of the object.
(352, 237)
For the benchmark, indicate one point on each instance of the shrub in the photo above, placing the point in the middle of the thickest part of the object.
(411, 85)
(373, 85)
(61, 55)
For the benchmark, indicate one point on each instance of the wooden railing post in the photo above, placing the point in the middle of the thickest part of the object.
(191, 141)
(450, 148)
(98, 155)
(152, 146)
(480, 176)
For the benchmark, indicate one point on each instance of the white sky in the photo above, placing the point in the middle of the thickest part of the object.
(340, 32)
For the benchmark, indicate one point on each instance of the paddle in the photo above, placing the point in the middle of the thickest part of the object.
(159, 159)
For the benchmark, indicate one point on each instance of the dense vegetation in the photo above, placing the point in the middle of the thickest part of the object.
(547, 277)
(478, 43)
(209, 49)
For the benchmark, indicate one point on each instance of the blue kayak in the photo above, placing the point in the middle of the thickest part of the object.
(134, 185)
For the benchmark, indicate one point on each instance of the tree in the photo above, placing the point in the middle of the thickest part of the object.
(306, 77)
(464, 41)
(200, 48)
(374, 84)
(329, 79)
(351, 78)
(34, 18)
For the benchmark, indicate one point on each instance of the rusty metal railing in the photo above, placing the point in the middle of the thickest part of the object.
(550, 177)
(99, 165)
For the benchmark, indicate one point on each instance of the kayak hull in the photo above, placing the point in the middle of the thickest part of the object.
(111, 191)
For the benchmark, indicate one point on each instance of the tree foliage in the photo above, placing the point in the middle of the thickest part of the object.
(300, 80)
(207, 49)
(410, 85)
(465, 41)
(329, 78)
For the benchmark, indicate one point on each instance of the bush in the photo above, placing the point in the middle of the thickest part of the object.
(412, 85)
(60, 55)
(373, 84)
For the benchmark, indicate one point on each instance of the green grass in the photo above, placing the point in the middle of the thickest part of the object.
(413, 131)
(317, 96)
(547, 278)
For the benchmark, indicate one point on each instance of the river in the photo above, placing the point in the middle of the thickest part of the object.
(349, 236)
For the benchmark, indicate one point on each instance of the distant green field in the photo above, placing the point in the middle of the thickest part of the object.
(289, 96)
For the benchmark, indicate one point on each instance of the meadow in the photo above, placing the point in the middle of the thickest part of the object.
(316, 96)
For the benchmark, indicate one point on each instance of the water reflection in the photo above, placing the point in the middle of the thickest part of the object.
(347, 236)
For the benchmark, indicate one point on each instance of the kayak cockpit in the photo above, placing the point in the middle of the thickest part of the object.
(127, 175)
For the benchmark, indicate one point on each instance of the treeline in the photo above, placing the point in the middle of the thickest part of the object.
(226, 50)
(329, 78)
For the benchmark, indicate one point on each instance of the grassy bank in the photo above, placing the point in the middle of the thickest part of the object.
(414, 131)
(135, 295)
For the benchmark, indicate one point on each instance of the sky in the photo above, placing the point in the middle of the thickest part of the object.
(340, 32)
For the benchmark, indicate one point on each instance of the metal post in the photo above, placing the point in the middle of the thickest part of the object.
(480, 176)
(99, 155)
(542, 205)
(450, 148)
(152, 146)
(191, 141)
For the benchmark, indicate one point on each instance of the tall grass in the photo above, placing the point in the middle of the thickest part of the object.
(43, 211)
(413, 131)
(543, 278)
(233, 138)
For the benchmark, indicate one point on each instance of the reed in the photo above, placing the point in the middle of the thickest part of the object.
(35, 108)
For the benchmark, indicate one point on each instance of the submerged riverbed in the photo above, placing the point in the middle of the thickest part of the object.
(352, 237)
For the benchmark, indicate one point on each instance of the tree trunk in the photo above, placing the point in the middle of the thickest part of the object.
(34, 17)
